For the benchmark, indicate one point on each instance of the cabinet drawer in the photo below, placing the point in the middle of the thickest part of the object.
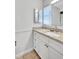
(51, 42)
(56, 45)
(40, 36)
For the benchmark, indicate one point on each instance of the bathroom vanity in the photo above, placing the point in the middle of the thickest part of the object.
(48, 45)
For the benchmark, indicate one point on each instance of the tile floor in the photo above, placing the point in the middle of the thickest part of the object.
(31, 55)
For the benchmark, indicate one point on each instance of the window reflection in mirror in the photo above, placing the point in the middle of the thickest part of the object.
(47, 15)
(44, 16)
(36, 16)
(40, 16)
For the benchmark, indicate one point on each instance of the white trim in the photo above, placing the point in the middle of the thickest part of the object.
(23, 30)
(24, 52)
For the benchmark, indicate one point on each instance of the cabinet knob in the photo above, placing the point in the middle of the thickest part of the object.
(15, 43)
(46, 45)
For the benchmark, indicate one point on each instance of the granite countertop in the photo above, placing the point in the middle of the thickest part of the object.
(58, 36)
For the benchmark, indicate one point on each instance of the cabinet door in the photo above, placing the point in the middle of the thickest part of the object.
(52, 54)
(37, 48)
(40, 45)
(43, 49)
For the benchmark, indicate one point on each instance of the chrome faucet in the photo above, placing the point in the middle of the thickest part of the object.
(54, 29)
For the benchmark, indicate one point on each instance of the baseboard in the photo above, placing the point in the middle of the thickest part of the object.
(24, 52)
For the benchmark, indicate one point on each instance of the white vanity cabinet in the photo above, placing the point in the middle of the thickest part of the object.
(55, 50)
(46, 47)
(53, 54)
(40, 45)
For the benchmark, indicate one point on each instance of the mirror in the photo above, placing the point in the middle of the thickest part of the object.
(51, 14)
(59, 5)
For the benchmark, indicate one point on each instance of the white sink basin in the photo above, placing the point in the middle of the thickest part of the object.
(52, 34)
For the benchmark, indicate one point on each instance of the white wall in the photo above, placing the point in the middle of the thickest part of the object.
(24, 41)
(24, 23)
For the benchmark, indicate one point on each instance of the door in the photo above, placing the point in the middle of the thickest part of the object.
(37, 48)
